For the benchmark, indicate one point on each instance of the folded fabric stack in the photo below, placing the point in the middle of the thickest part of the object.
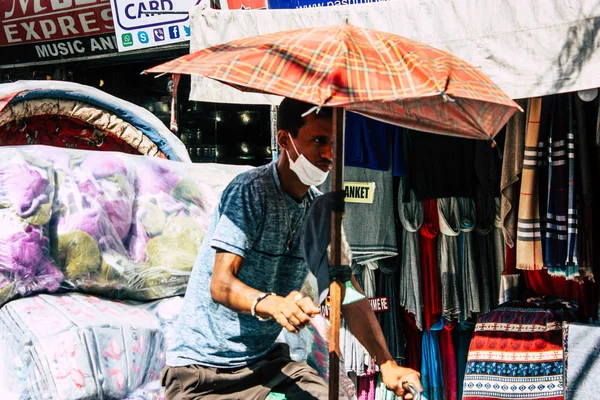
(76, 346)
(517, 351)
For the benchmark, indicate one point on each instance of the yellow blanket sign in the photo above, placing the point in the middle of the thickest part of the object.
(359, 192)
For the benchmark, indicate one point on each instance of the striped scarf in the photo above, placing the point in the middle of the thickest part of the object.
(560, 233)
(529, 238)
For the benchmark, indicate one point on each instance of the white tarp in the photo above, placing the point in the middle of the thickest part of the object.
(529, 48)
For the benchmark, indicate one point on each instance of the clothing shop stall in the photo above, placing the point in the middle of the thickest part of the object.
(474, 254)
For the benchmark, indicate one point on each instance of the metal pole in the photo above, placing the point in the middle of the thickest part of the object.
(336, 288)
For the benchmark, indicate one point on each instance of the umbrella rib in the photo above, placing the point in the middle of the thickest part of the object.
(474, 120)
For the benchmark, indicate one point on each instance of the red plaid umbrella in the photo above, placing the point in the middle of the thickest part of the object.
(377, 74)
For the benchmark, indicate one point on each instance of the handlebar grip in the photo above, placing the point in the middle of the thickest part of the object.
(409, 387)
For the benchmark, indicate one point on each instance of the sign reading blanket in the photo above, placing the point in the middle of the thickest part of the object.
(359, 192)
(46, 30)
(148, 23)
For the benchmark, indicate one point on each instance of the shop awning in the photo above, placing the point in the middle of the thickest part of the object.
(529, 49)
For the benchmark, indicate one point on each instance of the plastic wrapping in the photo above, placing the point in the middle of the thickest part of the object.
(119, 225)
(75, 346)
(26, 193)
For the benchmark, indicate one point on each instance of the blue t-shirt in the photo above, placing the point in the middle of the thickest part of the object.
(254, 219)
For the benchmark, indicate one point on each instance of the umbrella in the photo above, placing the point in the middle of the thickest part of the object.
(377, 74)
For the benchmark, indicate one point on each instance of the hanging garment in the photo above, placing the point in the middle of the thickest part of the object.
(486, 250)
(560, 233)
(432, 376)
(388, 320)
(469, 273)
(529, 240)
(547, 120)
(499, 253)
(511, 277)
(366, 387)
(448, 259)
(488, 166)
(410, 294)
(517, 352)
(430, 274)
(463, 333)
(370, 228)
(367, 144)
(486, 274)
(598, 126)
(485, 212)
(512, 167)
(414, 340)
(439, 166)
(448, 362)
(398, 157)
(356, 357)
(586, 200)
(381, 391)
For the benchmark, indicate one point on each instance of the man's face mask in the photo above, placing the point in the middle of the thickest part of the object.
(307, 172)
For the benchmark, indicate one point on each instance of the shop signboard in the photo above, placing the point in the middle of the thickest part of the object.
(359, 192)
(41, 31)
(274, 4)
(378, 304)
(148, 23)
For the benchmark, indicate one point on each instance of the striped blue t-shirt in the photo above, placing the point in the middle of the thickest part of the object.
(254, 219)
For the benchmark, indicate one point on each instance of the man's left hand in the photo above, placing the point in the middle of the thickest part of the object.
(395, 377)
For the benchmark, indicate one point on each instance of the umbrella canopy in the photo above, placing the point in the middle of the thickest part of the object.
(378, 74)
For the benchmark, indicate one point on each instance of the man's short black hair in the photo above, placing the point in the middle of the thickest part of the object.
(289, 115)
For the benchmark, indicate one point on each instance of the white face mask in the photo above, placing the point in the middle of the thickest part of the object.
(307, 172)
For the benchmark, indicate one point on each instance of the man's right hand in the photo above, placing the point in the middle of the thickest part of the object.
(292, 312)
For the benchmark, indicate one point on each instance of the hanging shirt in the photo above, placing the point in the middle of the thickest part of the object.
(439, 166)
(367, 144)
(432, 376)
(370, 227)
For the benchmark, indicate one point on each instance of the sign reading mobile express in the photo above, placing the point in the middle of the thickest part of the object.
(38, 31)
(148, 23)
(315, 3)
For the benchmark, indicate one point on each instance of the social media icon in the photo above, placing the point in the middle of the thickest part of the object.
(186, 28)
(143, 37)
(174, 32)
(159, 34)
(127, 39)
